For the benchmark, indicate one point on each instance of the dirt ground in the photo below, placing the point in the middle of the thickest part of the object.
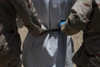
(77, 38)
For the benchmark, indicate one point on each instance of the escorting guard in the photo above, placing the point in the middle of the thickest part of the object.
(85, 16)
(9, 38)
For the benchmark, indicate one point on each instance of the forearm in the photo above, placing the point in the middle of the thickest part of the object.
(29, 20)
(22, 9)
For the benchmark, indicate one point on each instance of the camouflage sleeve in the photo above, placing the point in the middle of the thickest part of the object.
(32, 8)
(78, 18)
(22, 7)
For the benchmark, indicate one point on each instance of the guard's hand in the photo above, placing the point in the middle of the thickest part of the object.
(37, 31)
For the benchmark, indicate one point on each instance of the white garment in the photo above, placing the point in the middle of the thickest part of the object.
(53, 49)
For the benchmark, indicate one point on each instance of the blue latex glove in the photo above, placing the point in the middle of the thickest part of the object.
(62, 22)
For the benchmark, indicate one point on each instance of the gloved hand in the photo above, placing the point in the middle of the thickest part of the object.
(67, 28)
(34, 29)
(37, 31)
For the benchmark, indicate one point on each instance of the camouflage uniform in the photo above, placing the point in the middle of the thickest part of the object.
(85, 16)
(9, 38)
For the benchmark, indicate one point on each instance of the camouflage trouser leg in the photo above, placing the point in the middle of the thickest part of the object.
(83, 59)
(13, 62)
